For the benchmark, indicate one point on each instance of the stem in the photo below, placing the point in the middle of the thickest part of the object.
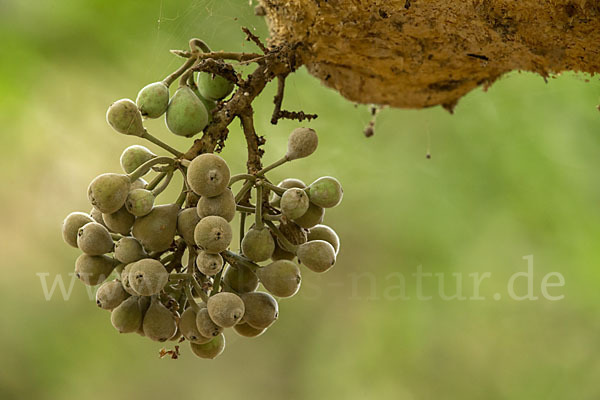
(219, 55)
(156, 181)
(182, 196)
(190, 298)
(242, 225)
(184, 78)
(146, 135)
(116, 236)
(198, 288)
(159, 189)
(217, 282)
(284, 241)
(196, 43)
(258, 220)
(168, 258)
(272, 166)
(279, 190)
(233, 258)
(145, 167)
(177, 277)
(252, 210)
(171, 78)
(240, 177)
(243, 191)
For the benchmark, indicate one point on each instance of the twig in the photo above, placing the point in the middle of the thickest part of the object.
(252, 37)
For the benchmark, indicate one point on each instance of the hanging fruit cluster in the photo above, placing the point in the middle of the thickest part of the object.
(168, 271)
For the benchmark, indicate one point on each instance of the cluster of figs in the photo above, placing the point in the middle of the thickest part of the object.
(168, 271)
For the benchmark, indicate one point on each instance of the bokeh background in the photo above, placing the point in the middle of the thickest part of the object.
(513, 173)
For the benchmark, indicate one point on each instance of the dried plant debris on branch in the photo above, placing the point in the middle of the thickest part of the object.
(169, 271)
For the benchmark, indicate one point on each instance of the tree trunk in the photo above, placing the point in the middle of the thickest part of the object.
(421, 53)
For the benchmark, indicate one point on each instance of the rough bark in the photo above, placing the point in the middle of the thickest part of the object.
(420, 53)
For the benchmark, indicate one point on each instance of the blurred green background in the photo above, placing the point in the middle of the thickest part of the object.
(513, 173)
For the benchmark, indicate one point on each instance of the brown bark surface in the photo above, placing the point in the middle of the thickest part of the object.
(420, 53)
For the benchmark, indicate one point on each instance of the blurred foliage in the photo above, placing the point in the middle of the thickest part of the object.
(512, 173)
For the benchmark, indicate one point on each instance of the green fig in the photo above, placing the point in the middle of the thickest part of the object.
(302, 142)
(124, 117)
(125, 280)
(213, 234)
(129, 250)
(246, 330)
(153, 100)
(241, 279)
(127, 316)
(225, 309)
(205, 324)
(222, 205)
(94, 239)
(156, 230)
(324, 232)
(214, 87)
(134, 156)
(292, 232)
(120, 221)
(326, 192)
(209, 264)
(110, 294)
(313, 216)
(261, 309)
(294, 203)
(71, 225)
(186, 223)
(317, 255)
(211, 349)
(281, 278)
(139, 183)
(286, 184)
(108, 192)
(159, 323)
(186, 114)
(97, 216)
(258, 244)
(148, 276)
(139, 202)
(189, 329)
(208, 175)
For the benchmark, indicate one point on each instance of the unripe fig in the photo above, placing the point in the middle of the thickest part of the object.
(153, 100)
(125, 280)
(287, 183)
(189, 329)
(139, 183)
(281, 254)
(294, 203)
(186, 115)
(94, 239)
(120, 221)
(209, 264)
(261, 309)
(241, 279)
(225, 309)
(108, 192)
(208, 175)
(205, 325)
(222, 205)
(139, 202)
(209, 104)
(292, 232)
(258, 244)
(324, 232)
(326, 192)
(214, 87)
(127, 317)
(317, 255)
(148, 276)
(281, 278)
(110, 294)
(159, 322)
(186, 223)
(71, 225)
(129, 250)
(313, 216)
(211, 349)
(302, 142)
(97, 216)
(213, 234)
(134, 156)
(93, 270)
(247, 330)
(156, 230)
(124, 117)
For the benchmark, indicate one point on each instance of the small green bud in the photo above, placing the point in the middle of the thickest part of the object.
(294, 203)
(326, 192)
(186, 115)
(153, 100)
(94, 239)
(134, 156)
(213, 234)
(124, 117)
(258, 244)
(208, 175)
(214, 87)
(316, 255)
(139, 202)
(225, 309)
(302, 142)
(71, 225)
(211, 349)
(107, 192)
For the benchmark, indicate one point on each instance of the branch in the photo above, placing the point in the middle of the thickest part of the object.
(253, 141)
(278, 113)
(252, 37)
